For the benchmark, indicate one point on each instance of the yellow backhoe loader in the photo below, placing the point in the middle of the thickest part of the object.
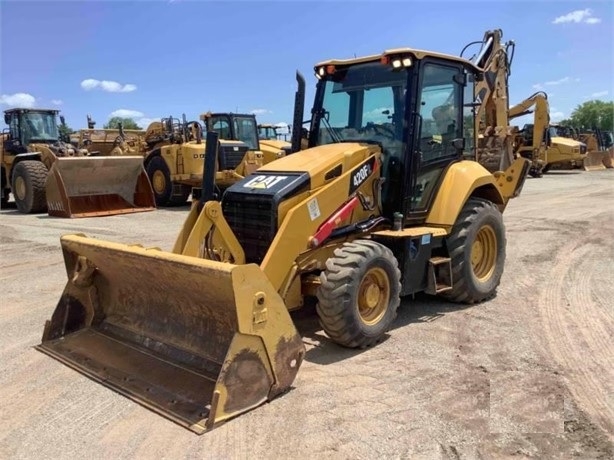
(540, 142)
(387, 200)
(45, 174)
(174, 161)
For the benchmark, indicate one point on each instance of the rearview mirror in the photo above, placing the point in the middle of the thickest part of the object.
(7, 118)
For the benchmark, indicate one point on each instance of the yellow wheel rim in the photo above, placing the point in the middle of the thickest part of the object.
(484, 253)
(373, 296)
(20, 188)
(158, 182)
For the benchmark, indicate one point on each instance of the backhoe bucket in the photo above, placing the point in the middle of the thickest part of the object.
(98, 186)
(194, 340)
(594, 161)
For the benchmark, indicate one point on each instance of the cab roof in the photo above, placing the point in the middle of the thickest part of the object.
(396, 52)
(25, 110)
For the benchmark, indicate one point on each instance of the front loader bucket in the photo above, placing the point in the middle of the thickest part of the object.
(594, 161)
(98, 186)
(195, 340)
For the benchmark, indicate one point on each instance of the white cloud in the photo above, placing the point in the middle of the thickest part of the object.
(600, 94)
(107, 85)
(556, 115)
(144, 122)
(558, 82)
(593, 20)
(57, 101)
(136, 115)
(126, 113)
(260, 111)
(18, 100)
(578, 16)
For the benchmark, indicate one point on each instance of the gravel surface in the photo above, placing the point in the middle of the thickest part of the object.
(528, 374)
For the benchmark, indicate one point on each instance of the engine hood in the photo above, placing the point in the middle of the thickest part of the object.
(275, 144)
(323, 163)
(566, 143)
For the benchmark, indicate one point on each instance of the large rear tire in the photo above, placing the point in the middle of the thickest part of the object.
(28, 185)
(477, 249)
(359, 293)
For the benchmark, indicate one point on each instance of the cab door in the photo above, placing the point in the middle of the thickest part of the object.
(437, 140)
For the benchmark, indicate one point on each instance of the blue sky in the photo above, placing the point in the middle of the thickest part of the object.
(152, 59)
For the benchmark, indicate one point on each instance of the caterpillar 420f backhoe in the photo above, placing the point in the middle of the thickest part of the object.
(388, 200)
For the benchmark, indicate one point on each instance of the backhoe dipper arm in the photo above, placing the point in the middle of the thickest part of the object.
(492, 101)
(541, 118)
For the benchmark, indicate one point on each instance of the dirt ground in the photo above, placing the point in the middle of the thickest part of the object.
(529, 374)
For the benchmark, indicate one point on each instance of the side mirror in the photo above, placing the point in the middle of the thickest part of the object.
(7, 118)
(459, 143)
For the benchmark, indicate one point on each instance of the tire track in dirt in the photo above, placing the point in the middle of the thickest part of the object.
(582, 370)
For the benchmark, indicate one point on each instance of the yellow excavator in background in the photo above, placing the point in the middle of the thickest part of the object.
(381, 204)
(540, 142)
(46, 174)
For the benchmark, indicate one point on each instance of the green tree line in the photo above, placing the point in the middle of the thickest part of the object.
(592, 114)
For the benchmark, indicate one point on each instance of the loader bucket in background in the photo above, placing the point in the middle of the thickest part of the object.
(594, 161)
(98, 186)
(195, 340)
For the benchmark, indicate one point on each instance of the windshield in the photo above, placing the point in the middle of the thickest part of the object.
(365, 102)
(267, 132)
(39, 127)
(246, 131)
(608, 139)
(554, 132)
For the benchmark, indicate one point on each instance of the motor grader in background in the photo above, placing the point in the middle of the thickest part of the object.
(374, 209)
(174, 161)
(540, 141)
(46, 174)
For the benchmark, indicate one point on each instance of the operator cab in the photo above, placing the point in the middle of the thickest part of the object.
(27, 126)
(232, 126)
(417, 106)
(267, 133)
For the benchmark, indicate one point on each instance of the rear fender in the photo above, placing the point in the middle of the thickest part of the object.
(462, 180)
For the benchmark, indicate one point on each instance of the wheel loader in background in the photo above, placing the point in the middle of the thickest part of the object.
(599, 149)
(382, 204)
(45, 174)
(269, 135)
(540, 142)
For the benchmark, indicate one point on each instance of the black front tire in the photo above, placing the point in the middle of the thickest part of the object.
(359, 293)
(28, 184)
(477, 248)
(160, 179)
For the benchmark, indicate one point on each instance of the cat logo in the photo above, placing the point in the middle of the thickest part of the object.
(264, 181)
